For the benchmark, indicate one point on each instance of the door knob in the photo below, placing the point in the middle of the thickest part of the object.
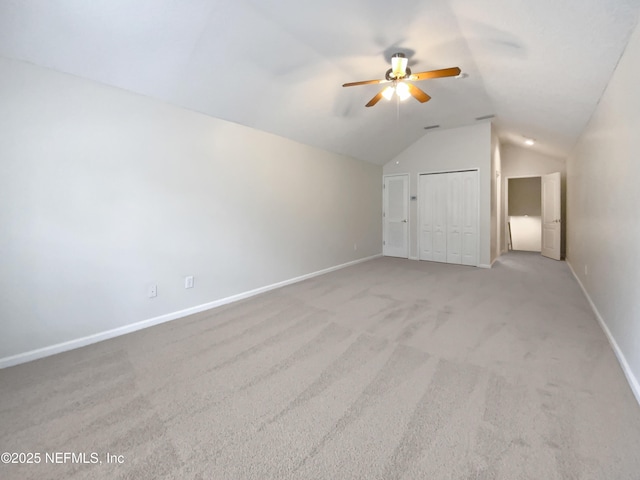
(404, 221)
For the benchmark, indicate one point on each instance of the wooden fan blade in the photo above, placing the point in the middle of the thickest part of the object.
(375, 99)
(365, 82)
(445, 72)
(418, 94)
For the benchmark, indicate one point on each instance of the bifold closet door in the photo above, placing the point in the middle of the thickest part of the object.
(426, 199)
(449, 217)
(454, 217)
(433, 213)
(470, 215)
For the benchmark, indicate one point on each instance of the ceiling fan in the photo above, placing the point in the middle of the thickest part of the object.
(398, 75)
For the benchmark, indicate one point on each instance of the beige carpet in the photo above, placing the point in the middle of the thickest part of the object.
(391, 369)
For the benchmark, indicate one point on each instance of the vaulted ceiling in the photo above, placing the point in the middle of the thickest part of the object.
(278, 65)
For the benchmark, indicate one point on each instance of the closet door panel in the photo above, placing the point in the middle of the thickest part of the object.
(470, 212)
(454, 217)
(427, 194)
(440, 218)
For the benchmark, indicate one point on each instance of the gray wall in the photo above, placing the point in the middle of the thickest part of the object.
(105, 192)
(603, 201)
(448, 150)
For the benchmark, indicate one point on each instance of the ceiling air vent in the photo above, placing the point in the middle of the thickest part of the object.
(485, 117)
(430, 127)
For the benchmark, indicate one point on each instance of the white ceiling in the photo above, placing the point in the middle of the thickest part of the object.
(278, 65)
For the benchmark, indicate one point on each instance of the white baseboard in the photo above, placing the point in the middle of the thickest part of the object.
(484, 265)
(626, 368)
(116, 332)
(414, 258)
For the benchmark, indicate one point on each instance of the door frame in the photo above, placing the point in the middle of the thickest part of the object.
(408, 212)
(505, 213)
(419, 213)
(505, 216)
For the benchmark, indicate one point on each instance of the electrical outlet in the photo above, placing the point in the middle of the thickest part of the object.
(188, 281)
(152, 291)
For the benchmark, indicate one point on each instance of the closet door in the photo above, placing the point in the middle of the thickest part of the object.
(449, 212)
(470, 213)
(440, 186)
(454, 216)
(427, 198)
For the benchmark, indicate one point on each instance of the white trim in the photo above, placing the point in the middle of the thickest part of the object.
(414, 258)
(116, 332)
(478, 251)
(484, 265)
(626, 368)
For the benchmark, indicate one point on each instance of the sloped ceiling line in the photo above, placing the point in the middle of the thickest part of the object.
(278, 65)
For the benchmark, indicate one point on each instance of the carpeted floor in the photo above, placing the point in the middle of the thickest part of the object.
(390, 369)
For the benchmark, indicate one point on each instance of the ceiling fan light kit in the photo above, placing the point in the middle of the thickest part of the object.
(398, 65)
(402, 90)
(398, 75)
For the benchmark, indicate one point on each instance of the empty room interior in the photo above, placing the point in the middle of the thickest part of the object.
(319, 240)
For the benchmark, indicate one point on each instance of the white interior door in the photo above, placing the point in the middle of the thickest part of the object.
(551, 220)
(396, 216)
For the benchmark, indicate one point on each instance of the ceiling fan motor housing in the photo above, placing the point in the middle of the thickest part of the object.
(390, 75)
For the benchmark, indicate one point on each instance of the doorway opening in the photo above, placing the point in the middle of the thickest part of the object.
(534, 214)
(524, 214)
